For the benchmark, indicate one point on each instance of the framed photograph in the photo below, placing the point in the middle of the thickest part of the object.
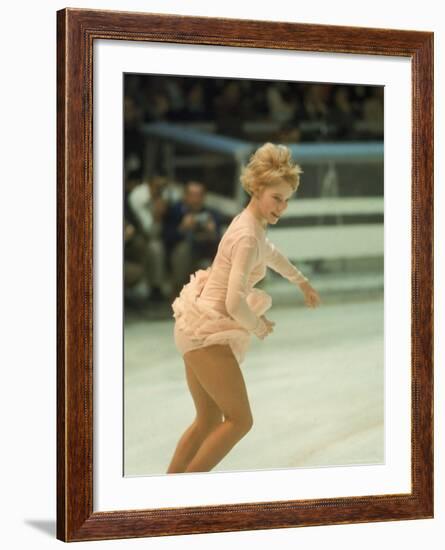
(166, 127)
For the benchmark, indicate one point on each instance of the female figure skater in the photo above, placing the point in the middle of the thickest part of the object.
(218, 310)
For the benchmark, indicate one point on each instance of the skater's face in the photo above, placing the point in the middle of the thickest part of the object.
(272, 201)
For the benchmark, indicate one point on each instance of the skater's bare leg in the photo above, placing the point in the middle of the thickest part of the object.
(208, 416)
(219, 374)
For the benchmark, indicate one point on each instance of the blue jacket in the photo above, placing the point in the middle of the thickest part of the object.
(173, 217)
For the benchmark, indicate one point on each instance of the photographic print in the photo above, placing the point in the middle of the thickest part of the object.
(298, 167)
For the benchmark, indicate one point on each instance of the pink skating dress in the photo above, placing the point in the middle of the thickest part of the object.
(220, 304)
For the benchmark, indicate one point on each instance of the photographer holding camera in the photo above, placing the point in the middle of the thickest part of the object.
(191, 232)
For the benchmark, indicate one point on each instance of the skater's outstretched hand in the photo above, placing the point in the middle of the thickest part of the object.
(311, 297)
(265, 327)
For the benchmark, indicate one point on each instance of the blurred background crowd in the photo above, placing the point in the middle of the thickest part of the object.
(303, 111)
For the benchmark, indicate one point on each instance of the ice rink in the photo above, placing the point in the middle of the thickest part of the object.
(316, 390)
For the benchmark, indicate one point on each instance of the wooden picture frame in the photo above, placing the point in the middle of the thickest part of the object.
(77, 29)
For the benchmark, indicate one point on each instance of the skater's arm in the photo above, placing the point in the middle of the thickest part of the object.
(279, 263)
(243, 258)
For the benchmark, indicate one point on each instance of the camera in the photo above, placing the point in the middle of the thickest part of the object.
(201, 219)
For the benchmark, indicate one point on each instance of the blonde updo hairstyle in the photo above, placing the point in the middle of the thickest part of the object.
(269, 165)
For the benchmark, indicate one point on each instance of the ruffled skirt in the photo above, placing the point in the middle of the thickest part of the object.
(198, 324)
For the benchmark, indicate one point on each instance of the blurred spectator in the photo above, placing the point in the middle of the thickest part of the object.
(228, 111)
(372, 120)
(282, 104)
(341, 117)
(290, 130)
(196, 102)
(132, 180)
(359, 94)
(315, 102)
(148, 202)
(259, 108)
(133, 138)
(134, 256)
(157, 103)
(191, 233)
(195, 108)
(175, 90)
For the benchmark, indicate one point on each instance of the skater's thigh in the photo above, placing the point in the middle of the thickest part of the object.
(219, 374)
(207, 411)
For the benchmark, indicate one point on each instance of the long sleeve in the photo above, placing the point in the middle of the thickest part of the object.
(279, 263)
(244, 255)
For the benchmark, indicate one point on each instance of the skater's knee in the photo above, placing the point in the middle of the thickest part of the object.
(206, 424)
(242, 423)
(248, 424)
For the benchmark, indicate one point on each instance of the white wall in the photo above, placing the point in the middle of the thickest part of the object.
(28, 397)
